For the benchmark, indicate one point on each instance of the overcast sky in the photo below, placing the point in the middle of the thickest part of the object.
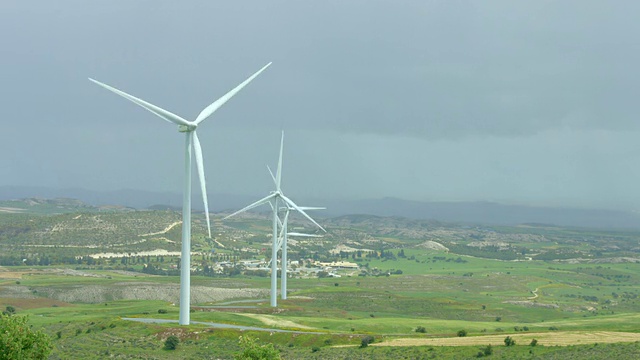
(518, 102)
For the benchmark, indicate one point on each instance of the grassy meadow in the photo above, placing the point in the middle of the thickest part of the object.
(577, 291)
(481, 296)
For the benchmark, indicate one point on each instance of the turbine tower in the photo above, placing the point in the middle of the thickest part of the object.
(274, 198)
(191, 141)
(282, 244)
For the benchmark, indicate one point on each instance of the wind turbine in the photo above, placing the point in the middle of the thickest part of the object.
(189, 128)
(282, 244)
(274, 198)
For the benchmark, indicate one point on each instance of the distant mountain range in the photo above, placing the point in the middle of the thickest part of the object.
(465, 212)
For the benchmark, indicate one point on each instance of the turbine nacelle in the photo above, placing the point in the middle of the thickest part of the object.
(186, 128)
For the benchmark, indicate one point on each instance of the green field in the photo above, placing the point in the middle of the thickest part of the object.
(557, 284)
(496, 299)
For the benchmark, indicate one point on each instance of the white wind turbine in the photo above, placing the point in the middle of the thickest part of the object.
(282, 244)
(275, 197)
(189, 128)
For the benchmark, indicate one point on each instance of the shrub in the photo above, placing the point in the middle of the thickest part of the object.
(10, 310)
(315, 349)
(19, 341)
(534, 342)
(366, 341)
(488, 350)
(162, 311)
(485, 351)
(498, 318)
(171, 343)
(421, 329)
(59, 334)
(462, 333)
(508, 341)
(251, 350)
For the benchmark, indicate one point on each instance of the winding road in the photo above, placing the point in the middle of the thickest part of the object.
(220, 325)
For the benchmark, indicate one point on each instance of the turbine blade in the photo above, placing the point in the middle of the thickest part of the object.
(282, 228)
(286, 217)
(257, 203)
(306, 208)
(279, 221)
(279, 171)
(218, 103)
(162, 113)
(298, 209)
(280, 238)
(203, 185)
(273, 177)
(277, 217)
(303, 235)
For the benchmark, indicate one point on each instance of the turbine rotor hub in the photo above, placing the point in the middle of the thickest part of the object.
(186, 128)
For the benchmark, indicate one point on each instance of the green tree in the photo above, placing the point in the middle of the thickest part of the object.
(19, 341)
(462, 333)
(171, 343)
(251, 350)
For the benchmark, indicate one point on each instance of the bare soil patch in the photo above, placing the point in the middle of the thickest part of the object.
(12, 275)
(181, 332)
(36, 303)
(531, 304)
(11, 210)
(556, 338)
(145, 291)
(276, 322)
(16, 292)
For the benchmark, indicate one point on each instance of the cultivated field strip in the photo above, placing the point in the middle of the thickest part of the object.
(558, 338)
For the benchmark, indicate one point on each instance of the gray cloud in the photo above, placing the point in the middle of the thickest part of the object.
(512, 101)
